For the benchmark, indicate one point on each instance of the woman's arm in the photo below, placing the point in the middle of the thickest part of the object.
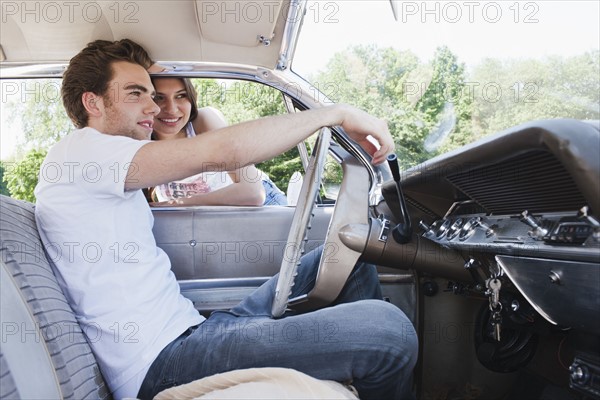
(231, 195)
(246, 188)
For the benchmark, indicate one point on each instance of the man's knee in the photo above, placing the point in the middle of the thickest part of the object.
(391, 326)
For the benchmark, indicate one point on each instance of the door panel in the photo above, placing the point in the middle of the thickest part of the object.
(221, 254)
(230, 242)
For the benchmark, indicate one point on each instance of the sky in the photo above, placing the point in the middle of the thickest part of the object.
(472, 29)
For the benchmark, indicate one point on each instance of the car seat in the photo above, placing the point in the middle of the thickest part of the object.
(44, 353)
(43, 350)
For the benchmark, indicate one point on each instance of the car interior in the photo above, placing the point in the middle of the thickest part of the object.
(492, 250)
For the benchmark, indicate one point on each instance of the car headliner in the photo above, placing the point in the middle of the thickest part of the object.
(239, 32)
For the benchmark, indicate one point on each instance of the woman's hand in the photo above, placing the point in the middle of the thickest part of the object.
(169, 203)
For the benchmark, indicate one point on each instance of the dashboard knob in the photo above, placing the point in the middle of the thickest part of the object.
(554, 277)
(537, 232)
(579, 373)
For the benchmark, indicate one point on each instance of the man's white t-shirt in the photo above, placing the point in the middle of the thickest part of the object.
(99, 237)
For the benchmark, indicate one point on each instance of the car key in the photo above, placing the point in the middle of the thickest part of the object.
(494, 285)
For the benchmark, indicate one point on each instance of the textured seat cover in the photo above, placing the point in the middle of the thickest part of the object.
(25, 258)
(8, 389)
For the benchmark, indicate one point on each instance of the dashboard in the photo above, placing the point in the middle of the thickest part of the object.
(523, 204)
(512, 220)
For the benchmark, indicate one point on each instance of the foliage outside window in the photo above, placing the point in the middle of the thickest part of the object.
(438, 106)
(21, 177)
(242, 101)
(3, 187)
(431, 107)
(35, 108)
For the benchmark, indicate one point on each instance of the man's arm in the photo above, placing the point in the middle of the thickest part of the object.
(247, 188)
(251, 142)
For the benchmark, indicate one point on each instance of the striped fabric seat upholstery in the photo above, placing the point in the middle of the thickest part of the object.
(8, 388)
(25, 260)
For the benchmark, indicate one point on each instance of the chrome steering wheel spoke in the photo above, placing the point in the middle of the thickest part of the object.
(294, 248)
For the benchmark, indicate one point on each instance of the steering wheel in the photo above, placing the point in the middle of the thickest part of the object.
(337, 261)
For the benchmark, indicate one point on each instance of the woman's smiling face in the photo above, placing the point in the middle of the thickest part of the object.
(175, 108)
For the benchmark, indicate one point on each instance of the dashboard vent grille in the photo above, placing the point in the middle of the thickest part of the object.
(535, 181)
(468, 208)
(421, 207)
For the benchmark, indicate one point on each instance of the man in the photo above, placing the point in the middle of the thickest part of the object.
(146, 336)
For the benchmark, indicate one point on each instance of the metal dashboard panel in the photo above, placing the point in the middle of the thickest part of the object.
(566, 293)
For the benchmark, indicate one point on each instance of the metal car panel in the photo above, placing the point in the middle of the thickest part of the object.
(564, 292)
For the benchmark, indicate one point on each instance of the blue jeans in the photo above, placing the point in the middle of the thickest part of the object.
(360, 339)
(273, 195)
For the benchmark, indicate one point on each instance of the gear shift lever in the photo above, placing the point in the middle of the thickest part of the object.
(402, 233)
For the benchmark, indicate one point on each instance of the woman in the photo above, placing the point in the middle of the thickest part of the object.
(179, 118)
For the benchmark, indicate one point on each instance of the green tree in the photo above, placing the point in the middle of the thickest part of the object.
(510, 92)
(3, 188)
(243, 101)
(419, 101)
(446, 104)
(265, 101)
(22, 177)
(376, 79)
(430, 107)
(37, 106)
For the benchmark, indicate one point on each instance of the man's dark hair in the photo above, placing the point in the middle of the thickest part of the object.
(91, 70)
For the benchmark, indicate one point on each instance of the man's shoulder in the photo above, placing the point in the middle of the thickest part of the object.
(88, 133)
(89, 141)
(80, 134)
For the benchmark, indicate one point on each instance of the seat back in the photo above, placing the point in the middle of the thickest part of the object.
(43, 349)
(8, 388)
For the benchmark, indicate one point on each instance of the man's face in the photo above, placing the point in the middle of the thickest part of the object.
(129, 108)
